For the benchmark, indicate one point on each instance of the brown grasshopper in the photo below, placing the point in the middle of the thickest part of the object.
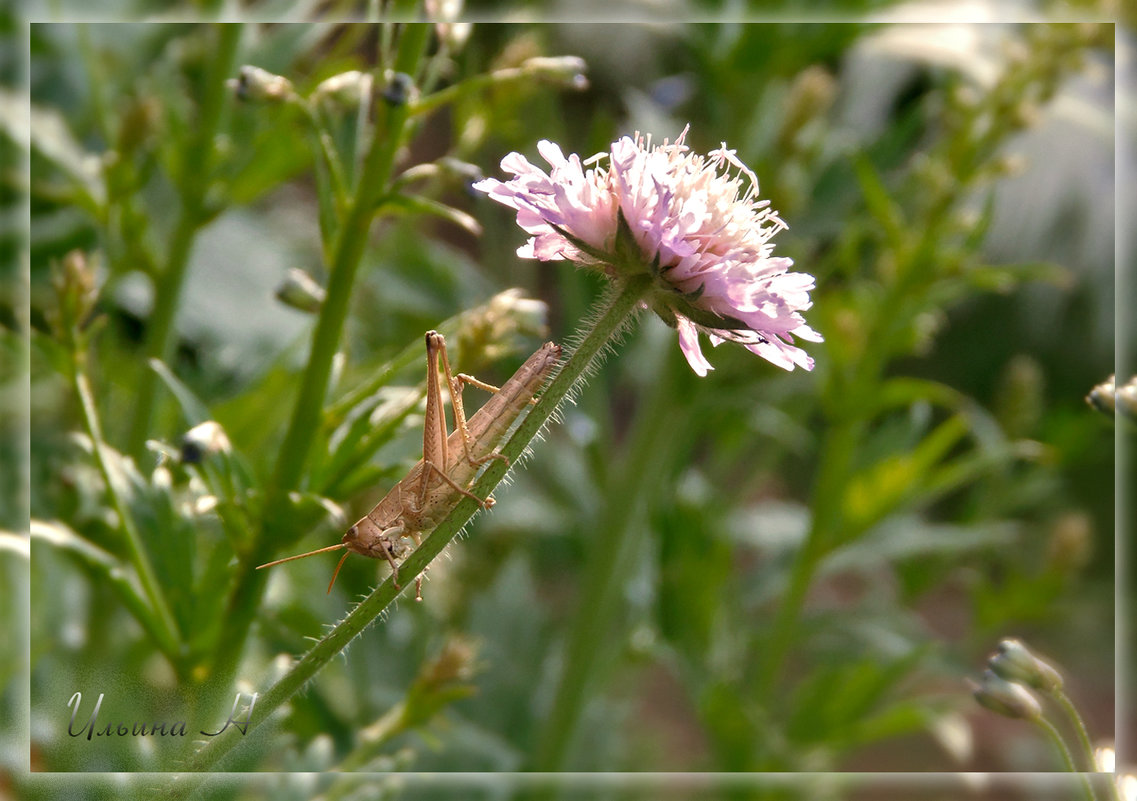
(449, 463)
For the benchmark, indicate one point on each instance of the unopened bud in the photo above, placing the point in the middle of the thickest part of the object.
(255, 85)
(445, 14)
(1019, 398)
(1103, 397)
(73, 279)
(139, 123)
(810, 96)
(400, 89)
(455, 663)
(1071, 543)
(1006, 697)
(1125, 399)
(565, 70)
(202, 440)
(342, 92)
(300, 291)
(499, 327)
(1014, 662)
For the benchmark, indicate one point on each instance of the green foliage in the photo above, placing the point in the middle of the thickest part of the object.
(765, 571)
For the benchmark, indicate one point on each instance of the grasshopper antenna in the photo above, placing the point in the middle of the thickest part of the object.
(335, 547)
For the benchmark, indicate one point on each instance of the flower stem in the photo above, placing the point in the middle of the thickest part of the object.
(160, 331)
(159, 619)
(613, 549)
(1067, 758)
(609, 323)
(351, 239)
(828, 491)
(1078, 724)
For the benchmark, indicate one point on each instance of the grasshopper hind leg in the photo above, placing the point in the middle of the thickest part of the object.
(418, 579)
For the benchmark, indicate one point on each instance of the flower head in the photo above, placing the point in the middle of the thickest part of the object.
(698, 229)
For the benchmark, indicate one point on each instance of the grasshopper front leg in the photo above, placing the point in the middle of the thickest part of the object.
(455, 386)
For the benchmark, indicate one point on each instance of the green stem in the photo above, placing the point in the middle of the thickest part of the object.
(351, 239)
(1067, 758)
(160, 622)
(1079, 726)
(348, 252)
(610, 322)
(194, 180)
(305, 421)
(612, 551)
(828, 494)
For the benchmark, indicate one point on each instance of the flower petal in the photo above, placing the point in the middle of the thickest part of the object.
(689, 344)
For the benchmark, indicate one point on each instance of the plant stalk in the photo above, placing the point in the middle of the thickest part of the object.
(194, 183)
(609, 324)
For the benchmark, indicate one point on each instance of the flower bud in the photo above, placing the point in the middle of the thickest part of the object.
(1103, 397)
(255, 85)
(455, 663)
(1013, 662)
(1006, 697)
(300, 291)
(810, 96)
(202, 440)
(73, 279)
(139, 124)
(1126, 399)
(1019, 397)
(400, 89)
(1071, 543)
(564, 70)
(500, 327)
(343, 92)
(450, 31)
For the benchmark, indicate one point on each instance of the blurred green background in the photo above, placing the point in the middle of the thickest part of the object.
(937, 483)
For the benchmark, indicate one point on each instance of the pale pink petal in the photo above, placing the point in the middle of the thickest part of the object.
(689, 344)
(699, 218)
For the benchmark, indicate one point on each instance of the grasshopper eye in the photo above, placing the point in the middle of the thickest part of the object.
(351, 534)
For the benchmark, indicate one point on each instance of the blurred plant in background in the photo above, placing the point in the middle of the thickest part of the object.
(759, 570)
(1010, 686)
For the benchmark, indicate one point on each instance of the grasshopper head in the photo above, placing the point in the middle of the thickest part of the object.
(368, 538)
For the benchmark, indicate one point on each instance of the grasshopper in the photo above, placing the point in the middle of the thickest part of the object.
(449, 463)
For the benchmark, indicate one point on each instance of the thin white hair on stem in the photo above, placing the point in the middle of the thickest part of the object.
(615, 338)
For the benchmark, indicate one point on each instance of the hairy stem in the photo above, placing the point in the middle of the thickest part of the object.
(304, 425)
(611, 321)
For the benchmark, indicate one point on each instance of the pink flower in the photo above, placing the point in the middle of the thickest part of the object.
(699, 231)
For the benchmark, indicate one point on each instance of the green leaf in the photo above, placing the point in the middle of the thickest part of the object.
(902, 392)
(373, 424)
(1005, 277)
(45, 133)
(898, 478)
(880, 204)
(416, 204)
(108, 569)
(193, 409)
(910, 537)
(831, 706)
